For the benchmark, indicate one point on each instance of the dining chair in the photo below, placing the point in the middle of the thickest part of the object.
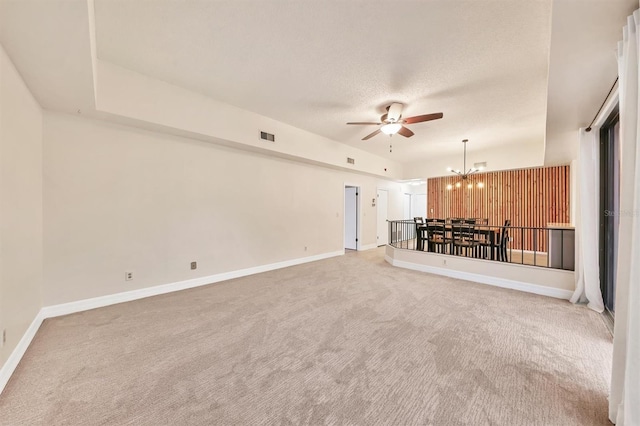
(437, 237)
(504, 239)
(420, 237)
(487, 241)
(464, 238)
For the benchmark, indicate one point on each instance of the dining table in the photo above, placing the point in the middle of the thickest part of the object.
(487, 236)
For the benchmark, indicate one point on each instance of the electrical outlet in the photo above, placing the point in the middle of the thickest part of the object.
(128, 276)
(305, 248)
(194, 265)
(4, 337)
(444, 262)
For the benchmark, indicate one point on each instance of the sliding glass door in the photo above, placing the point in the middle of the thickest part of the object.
(609, 207)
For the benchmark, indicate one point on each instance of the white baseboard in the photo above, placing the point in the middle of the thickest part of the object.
(127, 296)
(368, 247)
(98, 302)
(558, 293)
(14, 359)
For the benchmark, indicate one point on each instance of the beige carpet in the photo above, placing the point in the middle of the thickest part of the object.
(348, 340)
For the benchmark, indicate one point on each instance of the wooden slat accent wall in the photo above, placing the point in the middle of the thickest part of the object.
(528, 197)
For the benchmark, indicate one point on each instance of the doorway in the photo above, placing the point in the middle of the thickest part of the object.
(351, 194)
(419, 205)
(609, 208)
(383, 215)
(407, 207)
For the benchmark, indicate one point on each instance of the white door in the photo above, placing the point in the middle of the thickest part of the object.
(383, 215)
(351, 218)
(407, 206)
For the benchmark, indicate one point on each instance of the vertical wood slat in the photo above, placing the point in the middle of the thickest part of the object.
(528, 197)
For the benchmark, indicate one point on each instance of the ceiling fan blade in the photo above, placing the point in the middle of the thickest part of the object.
(364, 122)
(405, 132)
(421, 118)
(370, 135)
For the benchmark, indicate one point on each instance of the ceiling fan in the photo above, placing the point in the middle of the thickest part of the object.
(392, 122)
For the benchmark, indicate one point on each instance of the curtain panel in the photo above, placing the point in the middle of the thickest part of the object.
(624, 398)
(587, 270)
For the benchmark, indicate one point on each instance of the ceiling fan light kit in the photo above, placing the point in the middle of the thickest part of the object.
(391, 128)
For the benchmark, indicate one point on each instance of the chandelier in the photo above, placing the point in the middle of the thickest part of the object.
(464, 173)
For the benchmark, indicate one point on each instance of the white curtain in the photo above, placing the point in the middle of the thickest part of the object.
(587, 272)
(624, 399)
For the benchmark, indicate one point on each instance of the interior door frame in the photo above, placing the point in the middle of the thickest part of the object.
(377, 210)
(358, 210)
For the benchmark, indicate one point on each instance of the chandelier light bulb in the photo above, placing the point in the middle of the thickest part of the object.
(480, 185)
(458, 185)
(449, 187)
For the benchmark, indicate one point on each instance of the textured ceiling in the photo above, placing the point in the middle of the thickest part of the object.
(503, 72)
(317, 65)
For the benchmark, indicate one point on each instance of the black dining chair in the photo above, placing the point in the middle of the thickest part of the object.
(420, 233)
(504, 240)
(493, 243)
(487, 241)
(464, 238)
(437, 237)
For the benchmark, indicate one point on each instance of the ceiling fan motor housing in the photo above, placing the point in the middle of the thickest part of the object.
(395, 112)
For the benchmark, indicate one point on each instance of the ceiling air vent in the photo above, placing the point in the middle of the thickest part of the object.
(351, 160)
(267, 137)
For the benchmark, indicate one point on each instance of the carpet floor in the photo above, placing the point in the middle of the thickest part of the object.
(347, 340)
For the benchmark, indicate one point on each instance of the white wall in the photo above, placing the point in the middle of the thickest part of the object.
(135, 98)
(20, 206)
(121, 199)
(562, 148)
